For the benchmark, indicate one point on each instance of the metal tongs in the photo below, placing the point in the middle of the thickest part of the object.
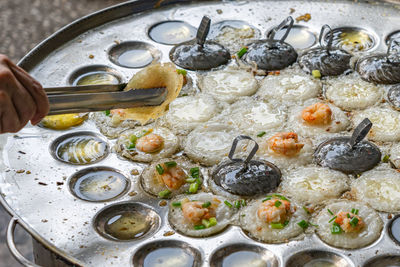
(87, 98)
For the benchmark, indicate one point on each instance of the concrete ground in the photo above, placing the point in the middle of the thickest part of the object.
(23, 24)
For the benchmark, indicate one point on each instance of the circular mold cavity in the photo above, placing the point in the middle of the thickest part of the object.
(79, 148)
(394, 230)
(94, 74)
(384, 261)
(172, 32)
(352, 39)
(317, 258)
(133, 54)
(395, 36)
(98, 184)
(167, 253)
(238, 255)
(126, 221)
(300, 37)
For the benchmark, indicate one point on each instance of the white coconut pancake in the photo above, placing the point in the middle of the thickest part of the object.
(261, 230)
(234, 38)
(379, 188)
(210, 143)
(146, 144)
(385, 123)
(289, 87)
(180, 176)
(349, 240)
(112, 125)
(395, 155)
(350, 92)
(252, 117)
(223, 214)
(313, 185)
(227, 85)
(338, 120)
(188, 112)
(285, 162)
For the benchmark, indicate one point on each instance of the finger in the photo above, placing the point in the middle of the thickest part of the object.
(9, 120)
(23, 102)
(36, 91)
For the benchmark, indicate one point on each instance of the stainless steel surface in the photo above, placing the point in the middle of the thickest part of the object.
(63, 223)
(85, 89)
(78, 103)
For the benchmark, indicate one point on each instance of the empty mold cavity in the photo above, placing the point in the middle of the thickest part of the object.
(133, 54)
(317, 258)
(126, 221)
(384, 261)
(352, 39)
(300, 37)
(394, 230)
(79, 148)
(94, 74)
(172, 32)
(167, 253)
(98, 184)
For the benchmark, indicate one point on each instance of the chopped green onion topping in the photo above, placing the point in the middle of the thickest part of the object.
(159, 169)
(213, 221)
(198, 181)
(336, 229)
(170, 164)
(107, 112)
(237, 204)
(354, 221)
(131, 146)
(193, 188)
(354, 211)
(315, 225)
(133, 139)
(386, 159)
(206, 204)
(316, 74)
(206, 223)
(242, 52)
(228, 203)
(286, 223)
(348, 215)
(266, 199)
(330, 212)
(190, 180)
(303, 224)
(261, 134)
(195, 172)
(164, 194)
(181, 71)
(306, 210)
(176, 204)
(244, 203)
(277, 225)
(278, 203)
(331, 220)
(199, 227)
(280, 196)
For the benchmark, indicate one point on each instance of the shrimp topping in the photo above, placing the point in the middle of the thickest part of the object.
(286, 144)
(194, 212)
(172, 177)
(274, 211)
(349, 222)
(317, 114)
(150, 143)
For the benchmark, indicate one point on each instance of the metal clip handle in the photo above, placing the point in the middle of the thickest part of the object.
(321, 37)
(288, 23)
(80, 89)
(13, 248)
(203, 30)
(360, 132)
(234, 145)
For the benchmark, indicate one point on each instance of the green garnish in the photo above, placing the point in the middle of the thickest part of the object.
(181, 71)
(354, 221)
(199, 227)
(354, 211)
(316, 74)
(261, 134)
(242, 52)
(164, 194)
(228, 204)
(348, 215)
(331, 220)
(315, 225)
(330, 212)
(244, 203)
(107, 112)
(195, 172)
(176, 204)
(266, 199)
(306, 210)
(193, 188)
(237, 204)
(280, 196)
(190, 180)
(206, 223)
(278, 203)
(386, 159)
(206, 204)
(277, 225)
(131, 146)
(213, 221)
(286, 223)
(159, 169)
(133, 139)
(170, 164)
(303, 224)
(336, 229)
(198, 181)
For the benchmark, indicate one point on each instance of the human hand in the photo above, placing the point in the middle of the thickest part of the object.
(22, 98)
